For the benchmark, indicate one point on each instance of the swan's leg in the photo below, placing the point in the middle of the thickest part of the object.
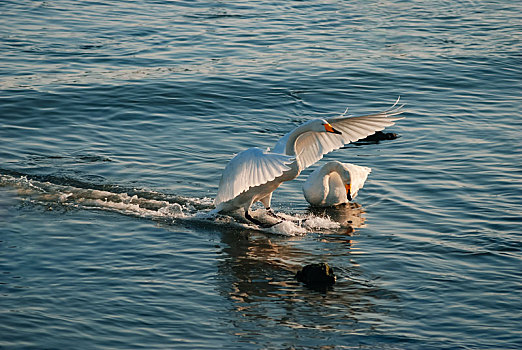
(266, 202)
(257, 222)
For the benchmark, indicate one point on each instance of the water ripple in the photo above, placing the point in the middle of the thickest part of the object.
(133, 109)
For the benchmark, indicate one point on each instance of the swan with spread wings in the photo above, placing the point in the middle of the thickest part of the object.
(253, 175)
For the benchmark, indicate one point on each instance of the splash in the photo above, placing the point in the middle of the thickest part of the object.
(142, 204)
(156, 206)
(297, 224)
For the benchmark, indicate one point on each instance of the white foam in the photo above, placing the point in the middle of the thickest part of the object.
(287, 228)
(154, 205)
(323, 223)
(124, 203)
(172, 210)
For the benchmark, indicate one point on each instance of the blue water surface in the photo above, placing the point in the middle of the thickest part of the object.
(117, 119)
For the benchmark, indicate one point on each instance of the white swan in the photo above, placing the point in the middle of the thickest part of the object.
(252, 175)
(334, 183)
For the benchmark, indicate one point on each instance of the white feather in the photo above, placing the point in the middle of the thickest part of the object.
(312, 146)
(358, 176)
(250, 168)
(325, 186)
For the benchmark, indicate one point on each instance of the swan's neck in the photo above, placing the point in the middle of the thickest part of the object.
(292, 139)
(336, 167)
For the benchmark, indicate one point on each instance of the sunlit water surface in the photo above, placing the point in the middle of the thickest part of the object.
(117, 118)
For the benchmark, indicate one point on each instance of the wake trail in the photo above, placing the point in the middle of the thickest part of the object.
(154, 205)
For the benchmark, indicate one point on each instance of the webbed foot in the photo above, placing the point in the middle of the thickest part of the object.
(272, 213)
(259, 223)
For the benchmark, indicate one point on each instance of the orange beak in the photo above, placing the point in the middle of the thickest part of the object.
(330, 128)
(348, 194)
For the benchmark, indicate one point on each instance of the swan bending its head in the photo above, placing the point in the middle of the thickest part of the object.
(334, 183)
(252, 175)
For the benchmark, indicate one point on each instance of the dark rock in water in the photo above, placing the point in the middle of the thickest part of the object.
(379, 136)
(316, 275)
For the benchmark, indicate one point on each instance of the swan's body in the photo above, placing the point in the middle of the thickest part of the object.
(334, 183)
(252, 175)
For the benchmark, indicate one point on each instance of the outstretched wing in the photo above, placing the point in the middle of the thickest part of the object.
(312, 146)
(250, 168)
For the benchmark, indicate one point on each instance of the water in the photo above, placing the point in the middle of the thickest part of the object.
(118, 118)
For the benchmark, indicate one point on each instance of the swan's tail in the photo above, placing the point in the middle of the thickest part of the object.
(358, 176)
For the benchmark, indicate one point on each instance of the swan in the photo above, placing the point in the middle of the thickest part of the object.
(334, 183)
(253, 174)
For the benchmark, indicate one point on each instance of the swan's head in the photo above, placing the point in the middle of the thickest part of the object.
(321, 125)
(341, 170)
(345, 177)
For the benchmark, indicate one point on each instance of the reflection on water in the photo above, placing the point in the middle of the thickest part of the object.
(348, 215)
(256, 269)
(256, 272)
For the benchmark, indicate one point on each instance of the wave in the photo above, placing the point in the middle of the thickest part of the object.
(172, 209)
